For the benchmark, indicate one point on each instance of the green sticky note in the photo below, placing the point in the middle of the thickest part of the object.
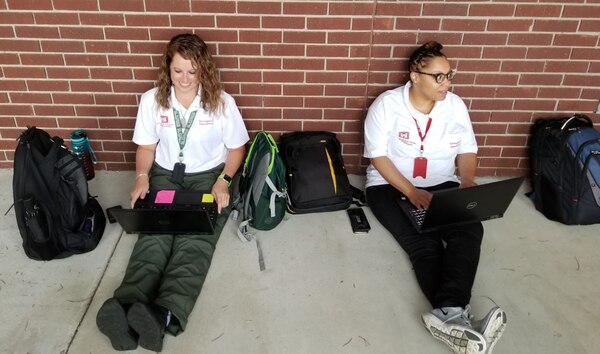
(208, 198)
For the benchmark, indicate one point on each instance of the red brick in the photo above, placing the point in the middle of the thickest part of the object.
(116, 99)
(443, 10)
(548, 53)
(563, 92)
(351, 8)
(418, 24)
(13, 85)
(283, 50)
(62, 46)
(399, 9)
(463, 25)
(303, 90)
(282, 101)
(485, 38)
(29, 4)
(213, 6)
(302, 114)
(504, 52)
(16, 109)
(263, 7)
(303, 64)
(577, 105)
(328, 23)
(143, 20)
(81, 32)
(348, 37)
(15, 18)
(283, 76)
(592, 26)
(47, 85)
(315, 125)
(327, 51)
(132, 87)
(304, 37)
(579, 12)
(586, 54)
(120, 5)
(132, 33)
(535, 105)
(515, 25)
(238, 22)
(261, 113)
(284, 22)
(324, 102)
(129, 60)
(57, 18)
(538, 39)
(282, 125)
(261, 36)
(25, 97)
(344, 90)
(85, 60)
(540, 79)
(575, 40)
(42, 59)
(491, 10)
(567, 66)
(325, 77)
(193, 21)
(261, 89)
(239, 49)
(167, 6)
(494, 104)
(36, 32)
(101, 19)
(523, 66)
(72, 98)
(555, 26)
(260, 63)
(305, 8)
(53, 110)
(91, 86)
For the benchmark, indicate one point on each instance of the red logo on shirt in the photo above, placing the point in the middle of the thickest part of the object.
(164, 119)
(403, 135)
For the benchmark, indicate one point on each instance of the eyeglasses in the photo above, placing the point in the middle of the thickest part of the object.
(439, 77)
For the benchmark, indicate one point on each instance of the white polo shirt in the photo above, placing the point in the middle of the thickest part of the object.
(208, 139)
(391, 131)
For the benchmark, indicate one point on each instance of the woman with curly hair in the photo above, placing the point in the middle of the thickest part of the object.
(417, 137)
(190, 136)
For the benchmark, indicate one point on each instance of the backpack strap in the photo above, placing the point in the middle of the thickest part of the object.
(358, 197)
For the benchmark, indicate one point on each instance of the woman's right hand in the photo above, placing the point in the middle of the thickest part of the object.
(420, 198)
(140, 188)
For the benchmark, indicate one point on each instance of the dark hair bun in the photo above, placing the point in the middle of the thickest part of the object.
(433, 46)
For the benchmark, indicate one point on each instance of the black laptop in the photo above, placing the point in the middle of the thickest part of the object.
(170, 212)
(461, 206)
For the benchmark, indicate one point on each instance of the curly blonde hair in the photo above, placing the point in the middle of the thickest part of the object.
(190, 47)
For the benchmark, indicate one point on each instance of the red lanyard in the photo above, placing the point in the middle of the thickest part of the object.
(421, 135)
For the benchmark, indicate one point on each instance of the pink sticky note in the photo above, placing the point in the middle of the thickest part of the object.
(164, 197)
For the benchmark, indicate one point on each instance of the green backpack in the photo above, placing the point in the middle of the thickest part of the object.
(262, 187)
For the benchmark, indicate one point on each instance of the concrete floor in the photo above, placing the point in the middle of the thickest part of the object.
(324, 290)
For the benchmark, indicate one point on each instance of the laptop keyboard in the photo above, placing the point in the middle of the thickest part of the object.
(418, 215)
(210, 208)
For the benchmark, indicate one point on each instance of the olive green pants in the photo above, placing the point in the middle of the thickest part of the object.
(169, 270)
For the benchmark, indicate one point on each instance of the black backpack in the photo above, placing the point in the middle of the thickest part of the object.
(316, 176)
(55, 214)
(565, 169)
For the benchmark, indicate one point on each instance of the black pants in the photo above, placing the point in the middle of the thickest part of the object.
(444, 261)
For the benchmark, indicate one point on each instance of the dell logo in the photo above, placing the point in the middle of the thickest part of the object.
(471, 205)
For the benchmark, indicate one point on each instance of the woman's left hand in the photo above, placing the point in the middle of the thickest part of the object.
(220, 192)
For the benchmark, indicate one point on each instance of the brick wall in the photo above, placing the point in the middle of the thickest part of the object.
(297, 65)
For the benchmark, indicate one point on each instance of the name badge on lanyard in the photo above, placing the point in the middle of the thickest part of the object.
(420, 163)
(179, 168)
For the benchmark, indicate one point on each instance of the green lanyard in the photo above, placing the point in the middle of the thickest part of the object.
(182, 133)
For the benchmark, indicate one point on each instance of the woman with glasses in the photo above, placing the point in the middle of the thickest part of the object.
(419, 138)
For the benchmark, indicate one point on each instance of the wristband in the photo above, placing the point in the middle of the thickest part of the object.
(140, 175)
(225, 178)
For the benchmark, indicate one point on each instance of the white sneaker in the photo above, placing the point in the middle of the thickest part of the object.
(492, 326)
(452, 326)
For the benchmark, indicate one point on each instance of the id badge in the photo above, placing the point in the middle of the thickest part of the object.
(420, 167)
(178, 173)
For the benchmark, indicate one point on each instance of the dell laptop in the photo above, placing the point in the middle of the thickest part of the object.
(170, 212)
(463, 205)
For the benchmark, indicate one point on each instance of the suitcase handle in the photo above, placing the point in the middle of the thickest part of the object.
(577, 117)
